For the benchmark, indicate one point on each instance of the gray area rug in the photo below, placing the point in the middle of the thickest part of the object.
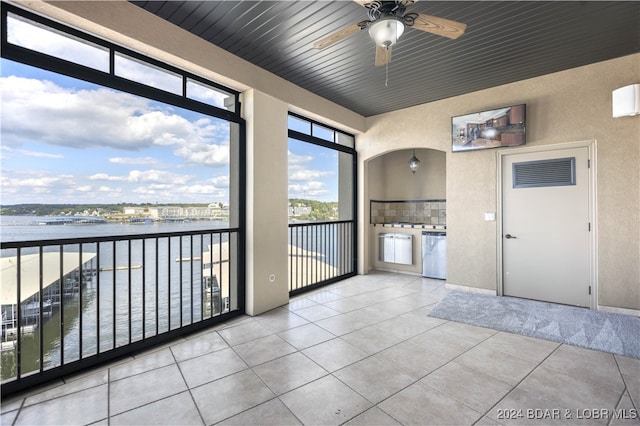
(602, 331)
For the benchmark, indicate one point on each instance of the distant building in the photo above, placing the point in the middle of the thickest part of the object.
(299, 210)
(162, 212)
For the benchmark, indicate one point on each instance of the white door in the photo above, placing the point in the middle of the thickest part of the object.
(546, 249)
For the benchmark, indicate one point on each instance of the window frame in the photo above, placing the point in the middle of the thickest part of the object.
(61, 66)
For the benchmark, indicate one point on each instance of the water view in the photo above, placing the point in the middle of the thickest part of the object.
(97, 296)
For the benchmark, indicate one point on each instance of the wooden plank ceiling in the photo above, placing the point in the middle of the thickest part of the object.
(505, 41)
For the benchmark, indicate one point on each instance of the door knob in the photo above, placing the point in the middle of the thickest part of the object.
(509, 236)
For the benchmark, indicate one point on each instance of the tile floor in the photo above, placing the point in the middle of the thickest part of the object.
(359, 352)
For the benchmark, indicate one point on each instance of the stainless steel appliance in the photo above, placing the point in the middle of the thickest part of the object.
(434, 254)
(396, 248)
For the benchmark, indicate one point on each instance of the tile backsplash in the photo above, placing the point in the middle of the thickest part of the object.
(429, 212)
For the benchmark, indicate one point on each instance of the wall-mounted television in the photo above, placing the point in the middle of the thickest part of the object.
(493, 128)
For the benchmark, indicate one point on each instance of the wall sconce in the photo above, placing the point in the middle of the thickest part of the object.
(626, 101)
(414, 163)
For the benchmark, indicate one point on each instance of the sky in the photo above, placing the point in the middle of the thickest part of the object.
(64, 140)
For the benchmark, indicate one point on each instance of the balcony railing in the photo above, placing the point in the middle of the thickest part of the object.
(71, 303)
(320, 253)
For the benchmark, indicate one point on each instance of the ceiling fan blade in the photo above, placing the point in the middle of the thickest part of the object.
(337, 36)
(383, 55)
(439, 26)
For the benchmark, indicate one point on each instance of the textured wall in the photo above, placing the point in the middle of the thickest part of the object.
(568, 106)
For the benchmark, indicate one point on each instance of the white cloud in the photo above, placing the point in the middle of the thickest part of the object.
(298, 159)
(134, 160)
(221, 181)
(24, 33)
(302, 175)
(28, 153)
(44, 112)
(149, 176)
(309, 189)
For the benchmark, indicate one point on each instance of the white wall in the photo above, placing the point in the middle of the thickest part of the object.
(267, 202)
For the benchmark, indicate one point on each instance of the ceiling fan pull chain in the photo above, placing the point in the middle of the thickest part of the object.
(386, 68)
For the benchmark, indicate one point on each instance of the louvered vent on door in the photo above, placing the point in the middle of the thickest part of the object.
(554, 172)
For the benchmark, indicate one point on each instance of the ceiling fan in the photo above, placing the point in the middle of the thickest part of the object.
(387, 22)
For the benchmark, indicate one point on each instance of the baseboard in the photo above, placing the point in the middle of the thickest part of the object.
(395, 271)
(458, 287)
(615, 310)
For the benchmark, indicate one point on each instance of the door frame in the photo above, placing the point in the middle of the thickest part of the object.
(593, 253)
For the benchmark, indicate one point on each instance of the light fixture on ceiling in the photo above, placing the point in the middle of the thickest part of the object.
(414, 163)
(386, 31)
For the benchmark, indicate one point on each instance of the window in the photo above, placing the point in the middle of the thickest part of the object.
(322, 231)
(96, 143)
(320, 173)
(144, 161)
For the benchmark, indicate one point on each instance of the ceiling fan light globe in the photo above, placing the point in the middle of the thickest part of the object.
(386, 32)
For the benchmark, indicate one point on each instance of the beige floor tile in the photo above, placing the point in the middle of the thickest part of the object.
(87, 381)
(144, 388)
(470, 333)
(317, 312)
(230, 395)
(335, 354)
(8, 417)
(419, 299)
(419, 404)
(13, 402)
(440, 342)
(244, 332)
(353, 303)
(193, 348)
(567, 391)
(374, 379)
(468, 386)
(370, 315)
(142, 364)
(373, 416)
(263, 349)
(486, 421)
(271, 413)
(175, 410)
(495, 363)
(323, 296)
(280, 319)
(209, 367)
(586, 365)
(305, 336)
(69, 409)
(341, 324)
(326, 401)
(625, 413)
(371, 339)
(408, 325)
(527, 348)
(299, 302)
(289, 372)
(414, 360)
(630, 369)
(523, 408)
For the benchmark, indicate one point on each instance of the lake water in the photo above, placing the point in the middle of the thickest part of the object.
(118, 305)
(25, 228)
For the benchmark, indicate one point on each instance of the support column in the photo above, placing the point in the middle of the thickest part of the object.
(267, 200)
